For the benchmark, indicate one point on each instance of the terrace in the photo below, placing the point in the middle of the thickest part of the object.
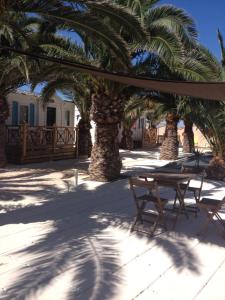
(61, 241)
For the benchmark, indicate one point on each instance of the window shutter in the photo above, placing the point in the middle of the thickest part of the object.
(31, 114)
(15, 108)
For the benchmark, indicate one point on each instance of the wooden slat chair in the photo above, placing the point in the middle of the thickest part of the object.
(195, 190)
(152, 195)
(212, 208)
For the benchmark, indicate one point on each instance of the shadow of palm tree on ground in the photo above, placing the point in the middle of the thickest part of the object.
(82, 242)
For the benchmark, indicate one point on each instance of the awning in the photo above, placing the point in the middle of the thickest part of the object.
(203, 90)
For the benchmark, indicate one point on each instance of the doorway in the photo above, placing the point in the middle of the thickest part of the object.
(51, 116)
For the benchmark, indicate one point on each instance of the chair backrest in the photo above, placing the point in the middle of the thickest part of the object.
(223, 200)
(196, 170)
(150, 186)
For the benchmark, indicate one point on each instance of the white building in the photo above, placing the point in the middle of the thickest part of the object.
(29, 108)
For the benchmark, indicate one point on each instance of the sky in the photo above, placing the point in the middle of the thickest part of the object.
(209, 16)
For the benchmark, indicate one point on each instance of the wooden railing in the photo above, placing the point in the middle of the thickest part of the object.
(41, 139)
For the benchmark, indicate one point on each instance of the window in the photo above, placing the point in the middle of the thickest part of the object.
(15, 113)
(67, 118)
(23, 114)
(31, 114)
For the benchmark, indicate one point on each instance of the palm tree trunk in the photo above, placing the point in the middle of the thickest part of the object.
(127, 140)
(188, 142)
(84, 141)
(169, 148)
(105, 162)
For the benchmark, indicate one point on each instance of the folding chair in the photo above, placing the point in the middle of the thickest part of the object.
(152, 195)
(212, 207)
(195, 190)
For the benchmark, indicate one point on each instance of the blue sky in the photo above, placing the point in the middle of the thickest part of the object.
(209, 16)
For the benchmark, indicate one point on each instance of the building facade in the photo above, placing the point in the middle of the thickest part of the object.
(28, 108)
(37, 132)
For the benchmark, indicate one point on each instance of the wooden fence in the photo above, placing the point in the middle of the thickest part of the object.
(31, 144)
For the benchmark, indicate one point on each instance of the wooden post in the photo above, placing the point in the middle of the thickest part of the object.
(77, 141)
(24, 140)
(54, 137)
(66, 136)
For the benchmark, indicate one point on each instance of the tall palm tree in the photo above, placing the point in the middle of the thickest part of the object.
(210, 121)
(78, 88)
(168, 28)
(222, 47)
(13, 76)
(198, 65)
(15, 30)
(188, 135)
(174, 33)
(137, 106)
(167, 108)
(90, 20)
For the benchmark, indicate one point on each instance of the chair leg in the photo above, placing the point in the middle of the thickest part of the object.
(138, 215)
(175, 200)
(221, 221)
(206, 224)
(134, 224)
(163, 218)
(155, 225)
(197, 199)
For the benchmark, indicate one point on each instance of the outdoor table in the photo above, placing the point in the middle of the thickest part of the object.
(172, 180)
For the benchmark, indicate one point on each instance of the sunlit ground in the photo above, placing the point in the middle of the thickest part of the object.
(62, 241)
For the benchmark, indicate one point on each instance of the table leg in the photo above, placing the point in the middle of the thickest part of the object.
(180, 197)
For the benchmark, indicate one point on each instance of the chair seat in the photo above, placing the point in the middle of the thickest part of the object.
(210, 202)
(212, 209)
(183, 186)
(147, 197)
(141, 202)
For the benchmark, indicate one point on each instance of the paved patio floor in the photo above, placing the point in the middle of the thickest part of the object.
(58, 241)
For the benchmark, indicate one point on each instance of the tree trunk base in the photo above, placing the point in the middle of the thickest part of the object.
(169, 149)
(188, 141)
(127, 141)
(84, 138)
(105, 159)
(216, 169)
(188, 146)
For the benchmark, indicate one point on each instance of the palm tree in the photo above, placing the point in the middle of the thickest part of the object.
(91, 20)
(78, 88)
(188, 135)
(82, 17)
(15, 29)
(169, 28)
(169, 148)
(210, 120)
(13, 76)
(198, 65)
(137, 106)
(222, 47)
(173, 35)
